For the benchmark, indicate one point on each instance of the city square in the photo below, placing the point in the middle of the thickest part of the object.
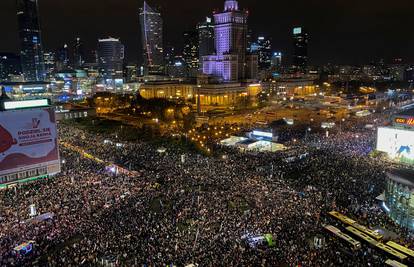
(223, 153)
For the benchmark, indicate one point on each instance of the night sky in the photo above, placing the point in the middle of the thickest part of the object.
(346, 32)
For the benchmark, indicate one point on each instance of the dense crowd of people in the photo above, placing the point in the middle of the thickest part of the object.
(172, 209)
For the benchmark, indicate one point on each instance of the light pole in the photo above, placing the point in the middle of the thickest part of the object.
(340, 124)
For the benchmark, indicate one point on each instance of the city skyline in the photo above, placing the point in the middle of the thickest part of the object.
(361, 32)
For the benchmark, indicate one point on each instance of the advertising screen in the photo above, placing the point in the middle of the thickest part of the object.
(262, 134)
(401, 121)
(28, 140)
(397, 143)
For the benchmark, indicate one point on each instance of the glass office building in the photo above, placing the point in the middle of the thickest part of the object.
(399, 197)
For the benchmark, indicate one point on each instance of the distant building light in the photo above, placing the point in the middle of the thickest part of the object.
(297, 30)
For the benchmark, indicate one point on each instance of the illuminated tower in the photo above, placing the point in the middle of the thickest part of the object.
(78, 54)
(31, 51)
(300, 55)
(152, 39)
(190, 52)
(231, 62)
(205, 39)
(111, 59)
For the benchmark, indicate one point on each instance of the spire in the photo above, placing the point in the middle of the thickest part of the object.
(147, 8)
(231, 5)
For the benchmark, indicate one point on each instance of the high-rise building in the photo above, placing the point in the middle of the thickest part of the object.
(170, 54)
(50, 63)
(249, 38)
(231, 62)
(205, 39)
(190, 52)
(276, 60)
(31, 51)
(62, 61)
(152, 39)
(9, 66)
(78, 54)
(130, 73)
(263, 48)
(178, 68)
(111, 59)
(300, 52)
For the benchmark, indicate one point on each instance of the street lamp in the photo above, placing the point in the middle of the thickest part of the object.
(342, 121)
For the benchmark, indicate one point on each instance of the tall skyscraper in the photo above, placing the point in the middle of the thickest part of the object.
(205, 39)
(130, 73)
(152, 39)
(263, 48)
(276, 60)
(62, 62)
(231, 62)
(50, 64)
(190, 52)
(111, 59)
(78, 53)
(300, 53)
(31, 51)
(170, 54)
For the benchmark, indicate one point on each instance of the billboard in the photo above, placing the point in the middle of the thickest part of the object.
(28, 141)
(260, 133)
(404, 121)
(397, 143)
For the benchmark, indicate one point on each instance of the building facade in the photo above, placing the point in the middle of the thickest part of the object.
(152, 40)
(205, 39)
(78, 54)
(167, 90)
(263, 48)
(63, 61)
(50, 64)
(300, 49)
(230, 61)
(190, 52)
(31, 51)
(111, 59)
(276, 61)
(399, 197)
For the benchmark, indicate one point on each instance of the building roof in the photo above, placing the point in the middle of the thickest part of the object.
(402, 176)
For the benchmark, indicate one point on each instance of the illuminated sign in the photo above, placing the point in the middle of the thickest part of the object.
(8, 105)
(33, 88)
(263, 134)
(397, 143)
(297, 30)
(409, 121)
